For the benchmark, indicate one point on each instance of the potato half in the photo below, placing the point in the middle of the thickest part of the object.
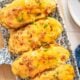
(34, 62)
(21, 12)
(63, 72)
(35, 35)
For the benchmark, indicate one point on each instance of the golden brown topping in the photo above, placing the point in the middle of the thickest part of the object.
(35, 35)
(35, 62)
(21, 12)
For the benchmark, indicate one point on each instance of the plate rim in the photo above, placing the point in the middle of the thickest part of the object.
(73, 15)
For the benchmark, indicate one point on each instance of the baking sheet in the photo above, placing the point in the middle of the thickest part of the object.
(5, 57)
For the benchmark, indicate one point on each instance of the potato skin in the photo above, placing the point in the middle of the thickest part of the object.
(63, 72)
(34, 62)
(35, 35)
(21, 12)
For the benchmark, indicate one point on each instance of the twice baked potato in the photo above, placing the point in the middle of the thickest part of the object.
(35, 62)
(63, 72)
(21, 12)
(35, 35)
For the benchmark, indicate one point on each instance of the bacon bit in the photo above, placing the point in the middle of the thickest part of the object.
(63, 58)
(21, 43)
(47, 11)
(9, 13)
(14, 9)
(30, 35)
(21, 63)
(38, 14)
(33, 44)
(22, 39)
(16, 14)
(50, 57)
(30, 67)
(46, 45)
(17, 9)
(12, 14)
(28, 63)
(43, 59)
(9, 23)
(51, 28)
(42, 35)
(29, 10)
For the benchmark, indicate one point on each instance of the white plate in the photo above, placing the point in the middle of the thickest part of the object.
(74, 8)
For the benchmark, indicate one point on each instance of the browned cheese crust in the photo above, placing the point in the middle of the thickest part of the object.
(21, 12)
(34, 62)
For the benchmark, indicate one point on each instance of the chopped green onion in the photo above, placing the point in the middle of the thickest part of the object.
(20, 17)
(46, 25)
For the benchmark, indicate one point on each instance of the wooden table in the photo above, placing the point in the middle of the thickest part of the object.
(5, 70)
(6, 73)
(1, 41)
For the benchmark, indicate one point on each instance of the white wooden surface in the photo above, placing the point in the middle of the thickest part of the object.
(73, 30)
